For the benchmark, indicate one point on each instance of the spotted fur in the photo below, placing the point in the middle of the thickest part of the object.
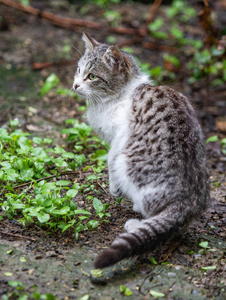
(157, 155)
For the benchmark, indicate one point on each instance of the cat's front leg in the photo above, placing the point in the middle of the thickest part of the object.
(114, 179)
(114, 187)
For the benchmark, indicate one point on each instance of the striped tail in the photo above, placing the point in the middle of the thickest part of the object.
(143, 236)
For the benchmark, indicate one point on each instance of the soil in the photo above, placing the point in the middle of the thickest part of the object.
(57, 263)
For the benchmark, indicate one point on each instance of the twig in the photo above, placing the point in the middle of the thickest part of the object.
(206, 3)
(18, 236)
(30, 182)
(49, 177)
(140, 287)
(64, 22)
(102, 188)
(45, 65)
(130, 31)
(206, 23)
(153, 10)
(148, 45)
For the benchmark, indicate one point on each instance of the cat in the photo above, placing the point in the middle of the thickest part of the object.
(157, 153)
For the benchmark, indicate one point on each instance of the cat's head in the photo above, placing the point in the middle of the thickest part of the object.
(103, 70)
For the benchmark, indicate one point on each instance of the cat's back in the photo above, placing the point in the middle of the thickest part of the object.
(166, 142)
(164, 116)
(165, 104)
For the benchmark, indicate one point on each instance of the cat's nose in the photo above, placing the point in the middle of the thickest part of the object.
(76, 86)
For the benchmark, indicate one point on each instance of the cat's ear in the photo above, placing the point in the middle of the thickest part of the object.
(115, 58)
(90, 43)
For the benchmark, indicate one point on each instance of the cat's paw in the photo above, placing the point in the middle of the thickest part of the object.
(115, 192)
(131, 225)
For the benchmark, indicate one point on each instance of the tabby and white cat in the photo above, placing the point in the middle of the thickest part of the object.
(157, 155)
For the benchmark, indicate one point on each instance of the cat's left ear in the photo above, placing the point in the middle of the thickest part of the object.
(115, 58)
(90, 43)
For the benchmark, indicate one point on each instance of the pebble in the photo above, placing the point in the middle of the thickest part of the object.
(39, 256)
(172, 274)
(197, 255)
(51, 254)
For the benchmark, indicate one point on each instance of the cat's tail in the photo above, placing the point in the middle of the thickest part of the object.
(145, 235)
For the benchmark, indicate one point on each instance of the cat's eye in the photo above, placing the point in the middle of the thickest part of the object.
(91, 76)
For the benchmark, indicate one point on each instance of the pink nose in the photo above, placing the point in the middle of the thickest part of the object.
(76, 86)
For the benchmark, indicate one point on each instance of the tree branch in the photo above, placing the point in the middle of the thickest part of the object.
(64, 22)
(153, 10)
(70, 23)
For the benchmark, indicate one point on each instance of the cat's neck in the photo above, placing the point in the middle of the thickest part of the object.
(122, 95)
(110, 116)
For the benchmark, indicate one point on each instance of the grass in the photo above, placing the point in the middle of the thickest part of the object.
(27, 166)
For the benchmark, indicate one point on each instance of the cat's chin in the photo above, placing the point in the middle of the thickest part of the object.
(81, 95)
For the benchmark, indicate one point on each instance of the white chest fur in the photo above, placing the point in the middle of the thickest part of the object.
(110, 118)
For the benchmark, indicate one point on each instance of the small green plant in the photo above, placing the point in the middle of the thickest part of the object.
(66, 49)
(101, 210)
(19, 292)
(181, 9)
(204, 246)
(81, 135)
(105, 3)
(152, 260)
(113, 17)
(215, 138)
(51, 205)
(204, 269)
(172, 59)
(208, 64)
(118, 200)
(154, 28)
(98, 273)
(125, 291)
(157, 74)
(85, 297)
(223, 144)
(25, 2)
(52, 81)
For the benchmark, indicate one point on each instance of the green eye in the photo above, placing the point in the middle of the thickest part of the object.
(91, 76)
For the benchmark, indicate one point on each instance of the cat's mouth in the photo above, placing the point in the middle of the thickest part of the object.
(79, 93)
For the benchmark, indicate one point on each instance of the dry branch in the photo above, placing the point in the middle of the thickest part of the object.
(46, 65)
(56, 20)
(151, 46)
(70, 23)
(153, 10)
(18, 236)
(50, 177)
(206, 23)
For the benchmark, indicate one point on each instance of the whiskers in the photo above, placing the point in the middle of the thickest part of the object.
(77, 57)
(77, 50)
(94, 99)
(75, 60)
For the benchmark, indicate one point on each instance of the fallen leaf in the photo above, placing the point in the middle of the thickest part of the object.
(8, 274)
(156, 294)
(22, 259)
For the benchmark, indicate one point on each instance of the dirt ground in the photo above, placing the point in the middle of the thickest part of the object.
(57, 263)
